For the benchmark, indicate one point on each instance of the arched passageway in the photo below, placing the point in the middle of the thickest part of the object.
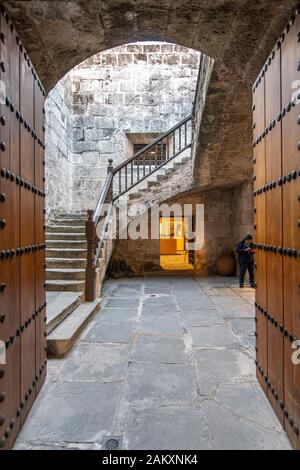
(237, 35)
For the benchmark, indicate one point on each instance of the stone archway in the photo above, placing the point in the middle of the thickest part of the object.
(236, 34)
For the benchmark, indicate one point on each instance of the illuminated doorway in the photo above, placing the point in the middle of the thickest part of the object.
(174, 255)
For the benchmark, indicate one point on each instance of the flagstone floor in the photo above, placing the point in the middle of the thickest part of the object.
(168, 363)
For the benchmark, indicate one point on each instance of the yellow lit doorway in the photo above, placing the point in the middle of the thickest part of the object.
(174, 255)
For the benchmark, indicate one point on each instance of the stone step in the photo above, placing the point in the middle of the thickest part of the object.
(79, 215)
(69, 221)
(65, 285)
(73, 263)
(133, 195)
(177, 164)
(65, 236)
(65, 274)
(186, 159)
(65, 253)
(66, 244)
(161, 177)
(65, 228)
(58, 308)
(61, 340)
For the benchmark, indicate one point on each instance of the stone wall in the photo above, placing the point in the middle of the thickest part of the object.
(228, 217)
(58, 153)
(242, 208)
(124, 96)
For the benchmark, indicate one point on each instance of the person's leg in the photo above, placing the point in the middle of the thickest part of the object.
(242, 272)
(251, 274)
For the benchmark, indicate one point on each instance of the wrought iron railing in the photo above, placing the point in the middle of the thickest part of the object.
(122, 179)
(149, 159)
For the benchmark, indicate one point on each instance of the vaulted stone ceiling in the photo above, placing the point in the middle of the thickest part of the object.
(238, 34)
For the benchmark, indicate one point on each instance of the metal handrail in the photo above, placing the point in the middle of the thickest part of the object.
(102, 212)
(104, 229)
(151, 172)
(152, 144)
(103, 197)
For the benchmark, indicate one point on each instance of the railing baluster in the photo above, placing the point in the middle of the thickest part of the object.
(179, 130)
(174, 134)
(167, 149)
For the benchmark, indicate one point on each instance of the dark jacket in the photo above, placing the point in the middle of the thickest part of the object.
(243, 255)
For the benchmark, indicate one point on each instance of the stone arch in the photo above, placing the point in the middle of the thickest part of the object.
(59, 35)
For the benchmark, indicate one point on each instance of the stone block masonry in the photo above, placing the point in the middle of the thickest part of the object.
(58, 153)
(98, 109)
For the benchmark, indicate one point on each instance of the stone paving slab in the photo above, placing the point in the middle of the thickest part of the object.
(160, 300)
(158, 289)
(112, 332)
(112, 315)
(222, 365)
(96, 362)
(163, 349)
(168, 428)
(195, 303)
(160, 324)
(160, 384)
(230, 431)
(168, 363)
(74, 412)
(243, 326)
(199, 317)
(122, 303)
(212, 336)
(125, 294)
(155, 310)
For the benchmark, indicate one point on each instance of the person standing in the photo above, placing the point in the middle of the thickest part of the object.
(245, 253)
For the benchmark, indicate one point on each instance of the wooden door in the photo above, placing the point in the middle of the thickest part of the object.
(22, 244)
(276, 115)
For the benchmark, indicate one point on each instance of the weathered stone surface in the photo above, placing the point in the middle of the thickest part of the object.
(96, 362)
(63, 414)
(237, 35)
(96, 114)
(145, 384)
(223, 365)
(122, 303)
(207, 399)
(116, 314)
(234, 424)
(180, 427)
(162, 349)
(160, 324)
(201, 317)
(116, 332)
(212, 336)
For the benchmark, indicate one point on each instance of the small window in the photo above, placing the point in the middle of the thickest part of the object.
(155, 156)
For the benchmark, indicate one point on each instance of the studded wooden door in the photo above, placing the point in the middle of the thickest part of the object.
(276, 119)
(22, 244)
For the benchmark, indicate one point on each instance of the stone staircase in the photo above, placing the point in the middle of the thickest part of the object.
(159, 177)
(66, 253)
(67, 312)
